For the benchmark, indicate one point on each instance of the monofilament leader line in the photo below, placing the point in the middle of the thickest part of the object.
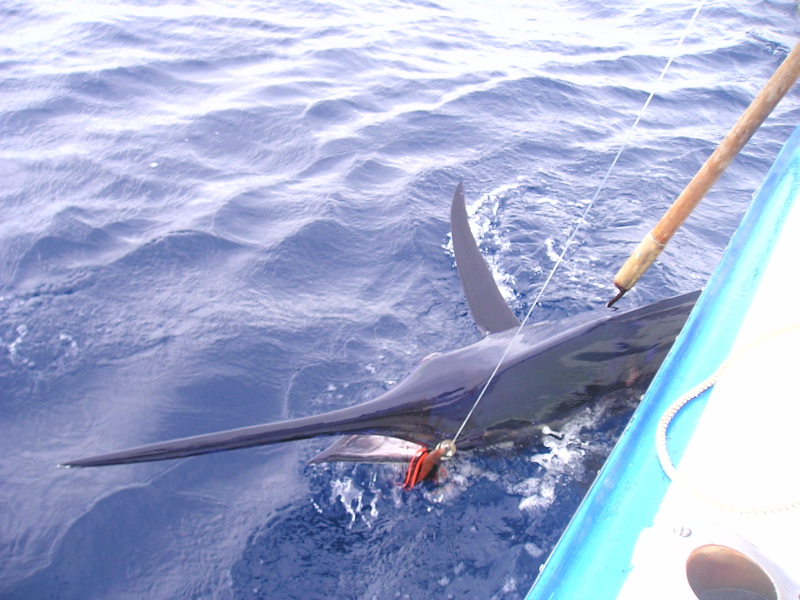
(580, 221)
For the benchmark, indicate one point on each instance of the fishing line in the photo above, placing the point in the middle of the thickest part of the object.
(580, 221)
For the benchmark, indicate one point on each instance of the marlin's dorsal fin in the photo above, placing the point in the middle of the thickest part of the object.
(486, 303)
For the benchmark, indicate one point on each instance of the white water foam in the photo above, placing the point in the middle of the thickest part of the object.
(566, 457)
(359, 503)
(13, 348)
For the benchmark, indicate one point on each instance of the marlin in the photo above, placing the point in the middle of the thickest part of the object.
(545, 372)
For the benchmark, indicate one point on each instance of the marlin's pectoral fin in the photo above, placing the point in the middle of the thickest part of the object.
(486, 303)
(368, 448)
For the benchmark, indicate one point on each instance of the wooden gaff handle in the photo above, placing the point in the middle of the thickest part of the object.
(752, 118)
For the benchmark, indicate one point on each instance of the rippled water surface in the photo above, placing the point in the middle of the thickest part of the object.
(217, 214)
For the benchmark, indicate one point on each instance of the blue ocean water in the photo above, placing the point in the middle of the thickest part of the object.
(217, 214)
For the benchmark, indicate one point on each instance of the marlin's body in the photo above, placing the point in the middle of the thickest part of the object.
(551, 369)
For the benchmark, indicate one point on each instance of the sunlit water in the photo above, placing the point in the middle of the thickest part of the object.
(218, 214)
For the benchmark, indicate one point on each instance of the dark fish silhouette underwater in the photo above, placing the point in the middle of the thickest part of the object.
(549, 370)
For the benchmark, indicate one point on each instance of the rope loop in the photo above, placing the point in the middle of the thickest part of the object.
(663, 425)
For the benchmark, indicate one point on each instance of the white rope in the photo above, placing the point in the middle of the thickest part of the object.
(580, 221)
(677, 405)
